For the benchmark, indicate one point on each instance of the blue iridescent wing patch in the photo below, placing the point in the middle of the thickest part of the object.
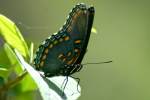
(62, 52)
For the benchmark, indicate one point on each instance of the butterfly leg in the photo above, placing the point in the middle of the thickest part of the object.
(64, 83)
(78, 79)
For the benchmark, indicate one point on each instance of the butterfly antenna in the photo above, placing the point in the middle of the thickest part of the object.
(98, 63)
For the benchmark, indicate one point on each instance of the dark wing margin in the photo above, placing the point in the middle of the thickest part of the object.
(90, 19)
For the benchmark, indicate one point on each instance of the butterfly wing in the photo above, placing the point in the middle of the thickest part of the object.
(60, 51)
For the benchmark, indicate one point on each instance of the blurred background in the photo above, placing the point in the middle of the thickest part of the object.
(123, 36)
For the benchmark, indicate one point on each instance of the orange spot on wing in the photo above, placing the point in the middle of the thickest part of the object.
(76, 50)
(72, 60)
(51, 45)
(77, 41)
(75, 16)
(46, 51)
(60, 56)
(42, 63)
(44, 57)
(66, 38)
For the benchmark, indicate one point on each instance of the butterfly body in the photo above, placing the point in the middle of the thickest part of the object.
(62, 53)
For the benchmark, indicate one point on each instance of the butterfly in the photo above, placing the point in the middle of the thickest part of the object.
(61, 54)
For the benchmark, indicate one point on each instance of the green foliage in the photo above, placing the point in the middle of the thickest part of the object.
(12, 58)
(15, 82)
(12, 35)
(16, 66)
(3, 72)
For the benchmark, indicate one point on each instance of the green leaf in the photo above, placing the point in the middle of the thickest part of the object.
(30, 95)
(27, 84)
(13, 59)
(12, 35)
(18, 68)
(50, 89)
(3, 72)
(2, 81)
(4, 60)
(31, 52)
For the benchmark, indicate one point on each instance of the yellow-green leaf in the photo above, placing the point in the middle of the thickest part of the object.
(3, 72)
(31, 51)
(94, 30)
(18, 68)
(11, 34)
(13, 59)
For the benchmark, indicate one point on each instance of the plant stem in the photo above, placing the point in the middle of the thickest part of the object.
(11, 83)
